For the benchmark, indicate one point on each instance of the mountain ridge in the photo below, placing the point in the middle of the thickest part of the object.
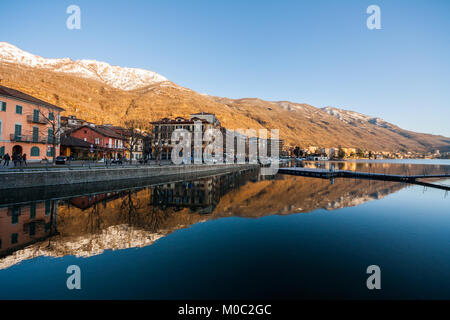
(115, 76)
(100, 101)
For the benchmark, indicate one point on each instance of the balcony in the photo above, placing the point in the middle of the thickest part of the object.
(27, 138)
(33, 119)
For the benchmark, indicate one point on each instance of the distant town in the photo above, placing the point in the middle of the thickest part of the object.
(35, 131)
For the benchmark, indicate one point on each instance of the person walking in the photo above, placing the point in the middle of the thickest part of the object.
(24, 159)
(14, 159)
(6, 159)
(19, 160)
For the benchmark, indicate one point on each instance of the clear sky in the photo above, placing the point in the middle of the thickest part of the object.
(317, 52)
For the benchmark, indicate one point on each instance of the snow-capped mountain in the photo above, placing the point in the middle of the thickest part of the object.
(355, 118)
(117, 77)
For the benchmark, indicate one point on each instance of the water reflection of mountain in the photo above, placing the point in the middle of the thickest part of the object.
(86, 226)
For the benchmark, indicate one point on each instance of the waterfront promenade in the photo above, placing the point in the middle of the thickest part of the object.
(62, 176)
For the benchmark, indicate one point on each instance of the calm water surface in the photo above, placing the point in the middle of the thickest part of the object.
(232, 236)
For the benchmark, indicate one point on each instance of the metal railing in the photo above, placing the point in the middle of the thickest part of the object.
(27, 138)
(33, 119)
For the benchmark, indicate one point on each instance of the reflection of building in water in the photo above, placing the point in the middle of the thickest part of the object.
(86, 202)
(200, 196)
(134, 218)
(23, 225)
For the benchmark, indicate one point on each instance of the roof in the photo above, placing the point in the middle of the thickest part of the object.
(8, 92)
(175, 122)
(104, 131)
(203, 114)
(126, 132)
(69, 141)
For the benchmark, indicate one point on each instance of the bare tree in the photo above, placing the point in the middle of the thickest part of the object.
(134, 132)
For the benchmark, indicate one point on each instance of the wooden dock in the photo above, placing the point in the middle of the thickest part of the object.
(330, 174)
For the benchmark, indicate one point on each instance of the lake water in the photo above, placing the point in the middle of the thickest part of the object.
(232, 236)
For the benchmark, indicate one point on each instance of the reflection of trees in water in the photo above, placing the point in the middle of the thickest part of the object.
(94, 219)
(129, 208)
(157, 208)
(52, 229)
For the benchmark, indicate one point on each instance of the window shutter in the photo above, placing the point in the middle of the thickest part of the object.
(35, 152)
(35, 134)
(50, 135)
(33, 211)
(18, 131)
(36, 115)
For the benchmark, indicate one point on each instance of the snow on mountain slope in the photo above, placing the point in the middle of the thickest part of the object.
(354, 118)
(117, 77)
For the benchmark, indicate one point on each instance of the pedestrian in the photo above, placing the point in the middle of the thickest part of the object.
(19, 160)
(14, 159)
(24, 159)
(6, 159)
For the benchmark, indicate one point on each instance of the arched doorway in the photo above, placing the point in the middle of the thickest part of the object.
(17, 149)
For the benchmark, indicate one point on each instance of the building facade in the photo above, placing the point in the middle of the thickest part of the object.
(104, 141)
(28, 125)
(23, 225)
(163, 129)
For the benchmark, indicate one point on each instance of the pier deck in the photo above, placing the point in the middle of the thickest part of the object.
(329, 174)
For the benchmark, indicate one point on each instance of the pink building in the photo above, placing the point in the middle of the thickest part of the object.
(27, 125)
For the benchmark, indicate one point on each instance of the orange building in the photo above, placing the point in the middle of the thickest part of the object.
(23, 225)
(27, 125)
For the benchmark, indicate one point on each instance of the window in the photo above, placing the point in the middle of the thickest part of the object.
(32, 230)
(47, 207)
(19, 109)
(97, 140)
(18, 132)
(51, 116)
(14, 238)
(36, 115)
(2, 151)
(35, 152)
(50, 135)
(3, 105)
(33, 211)
(35, 134)
(15, 213)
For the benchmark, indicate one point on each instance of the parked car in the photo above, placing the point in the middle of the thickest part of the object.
(61, 160)
(116, 161)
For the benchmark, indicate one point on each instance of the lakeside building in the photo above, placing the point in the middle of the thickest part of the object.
(162, 131)
(23, 225)
(135, 142)
(71, 122)
(104, 142)
(28, 125)
(74, 147)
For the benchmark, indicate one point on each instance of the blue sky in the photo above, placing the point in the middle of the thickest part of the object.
(317, 52)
